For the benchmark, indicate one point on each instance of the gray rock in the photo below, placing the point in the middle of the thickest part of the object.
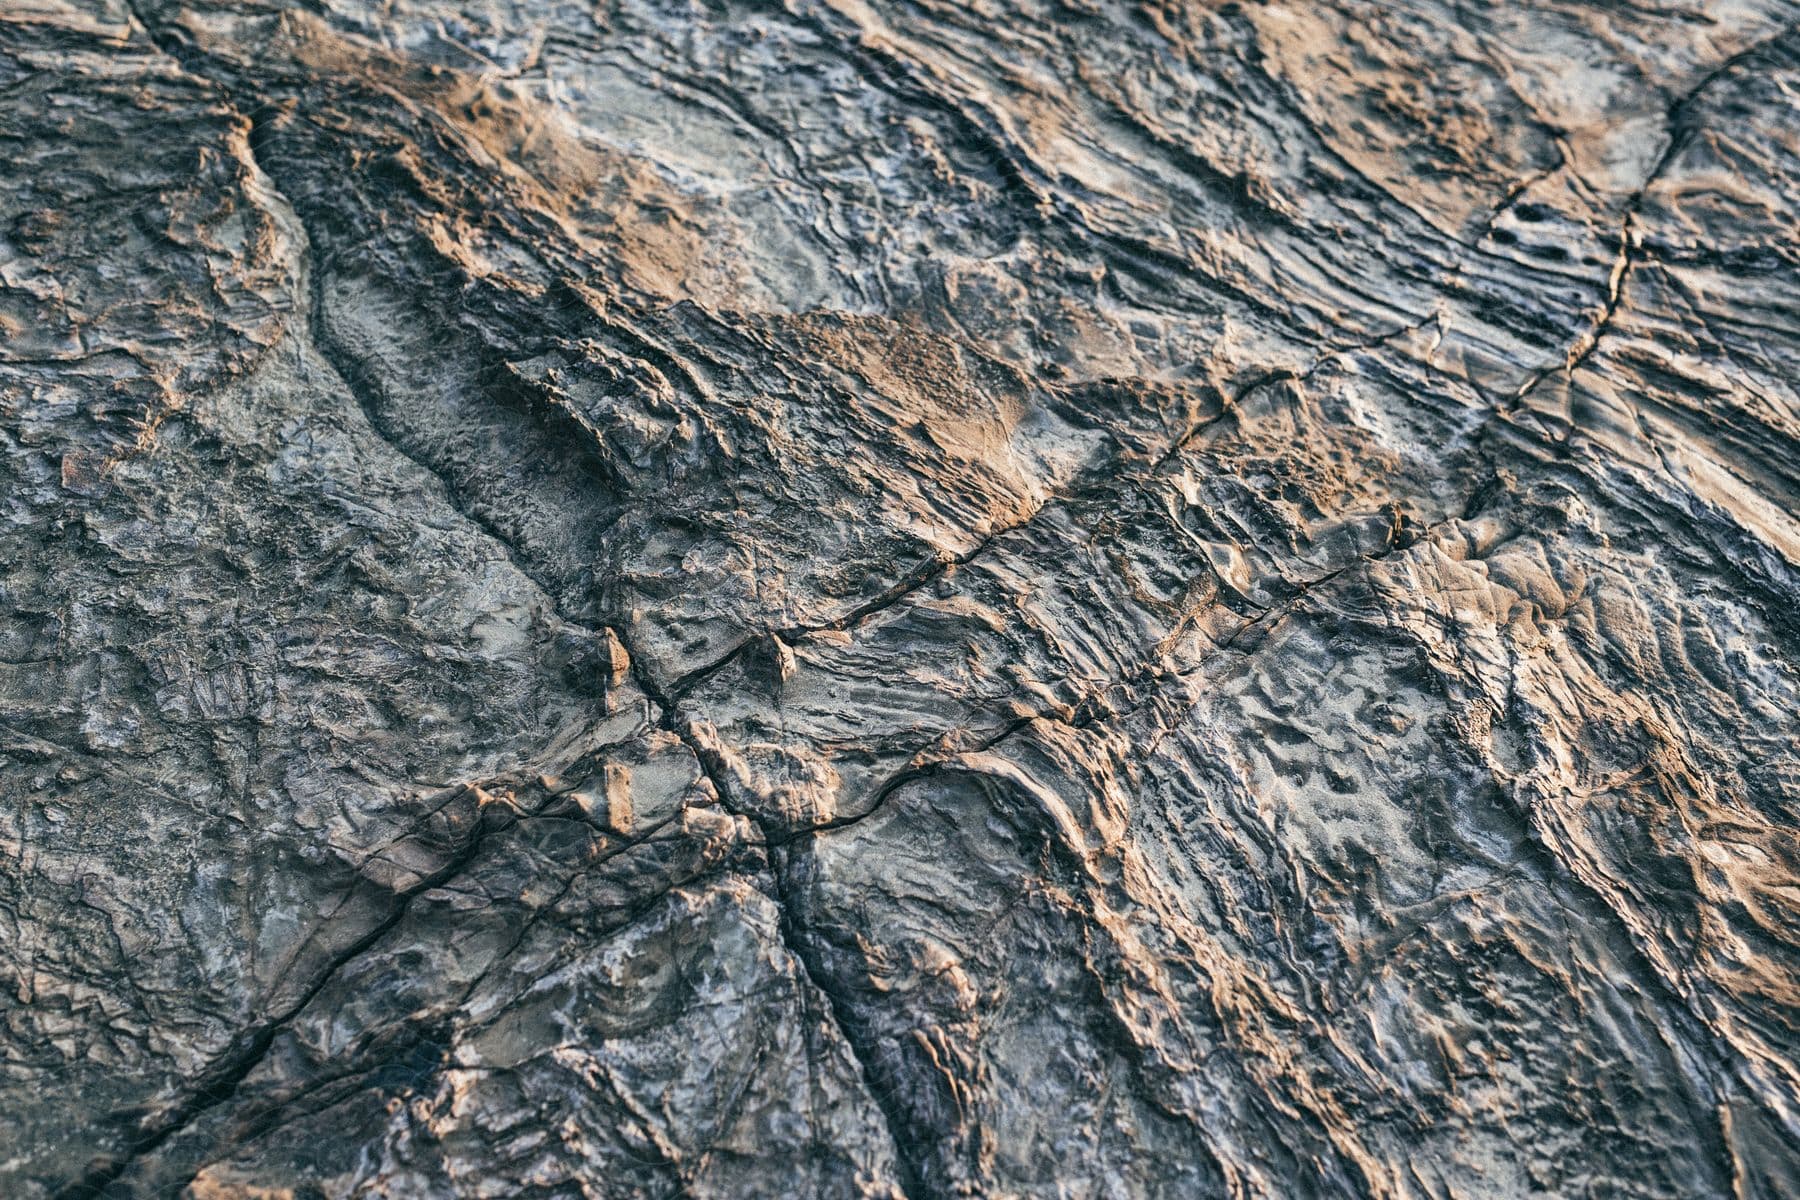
(915, 600)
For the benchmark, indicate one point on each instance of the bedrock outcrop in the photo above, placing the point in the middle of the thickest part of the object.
(906, 599)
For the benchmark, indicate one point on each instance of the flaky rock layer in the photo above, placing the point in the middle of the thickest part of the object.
(908, 600)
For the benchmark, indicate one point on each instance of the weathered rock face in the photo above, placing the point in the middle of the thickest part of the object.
(904, 600)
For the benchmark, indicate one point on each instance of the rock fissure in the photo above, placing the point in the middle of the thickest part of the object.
(1154, 603)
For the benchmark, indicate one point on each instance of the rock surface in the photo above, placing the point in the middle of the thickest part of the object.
(828, 599)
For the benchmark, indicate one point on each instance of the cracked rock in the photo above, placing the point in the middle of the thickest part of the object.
(899, 600)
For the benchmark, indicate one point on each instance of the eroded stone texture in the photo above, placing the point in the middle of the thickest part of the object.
(901, 600)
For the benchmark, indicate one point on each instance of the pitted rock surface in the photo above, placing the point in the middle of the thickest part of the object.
(904, 599)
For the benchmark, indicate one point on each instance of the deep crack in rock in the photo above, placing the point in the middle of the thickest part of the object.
(897, 600)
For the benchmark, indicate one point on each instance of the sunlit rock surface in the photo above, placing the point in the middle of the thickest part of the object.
(911, 600)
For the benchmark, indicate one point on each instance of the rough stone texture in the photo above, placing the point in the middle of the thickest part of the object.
(904, 599)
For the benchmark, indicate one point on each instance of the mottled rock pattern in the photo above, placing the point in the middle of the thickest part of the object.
(833, 599)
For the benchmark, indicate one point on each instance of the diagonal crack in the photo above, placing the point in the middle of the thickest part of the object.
(357, 385)
(668, 717)
(220, 1081)
(939, 565)
(912, 1182)
(1092, 708)
(259, 1122)
(861, 1043)
(1678, 130)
